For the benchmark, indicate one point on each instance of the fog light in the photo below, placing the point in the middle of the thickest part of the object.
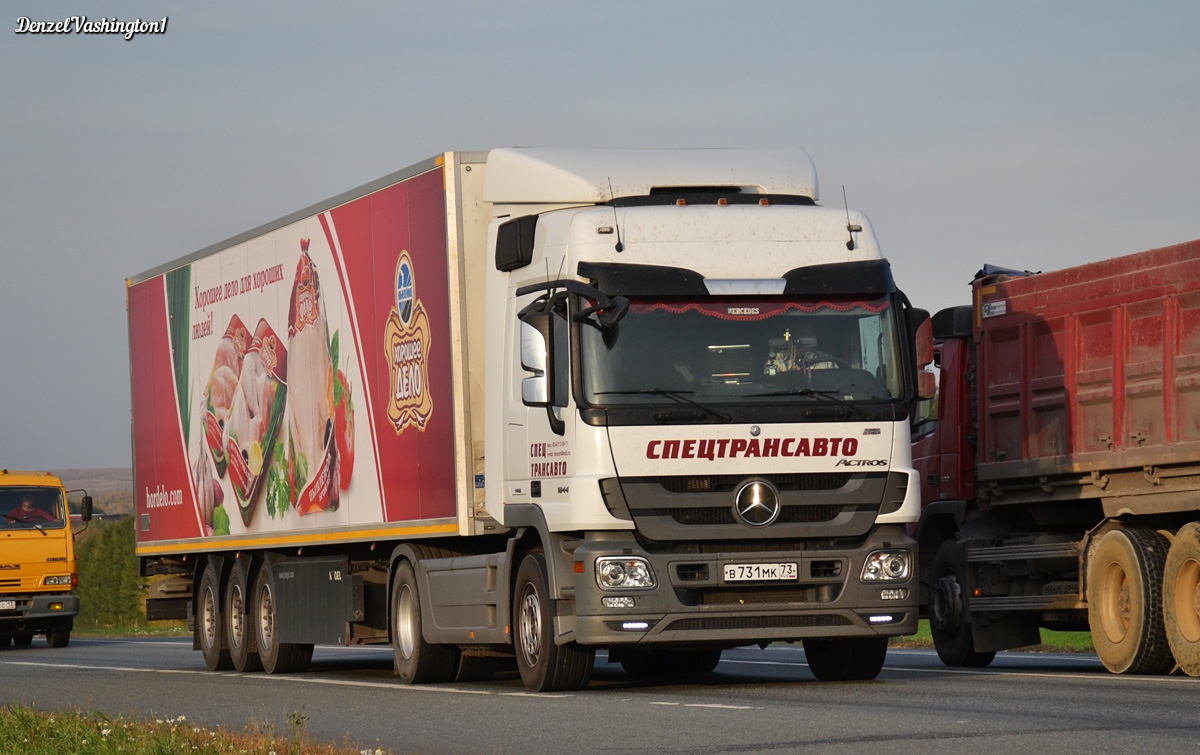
(56, 606)
(637, 626)
(898, 593)
(881, 619)
(625, 572)
(886, 566)
(626, 602)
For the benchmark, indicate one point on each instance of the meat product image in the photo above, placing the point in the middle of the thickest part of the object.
(255, 415)
(310, 399)
(222, 383)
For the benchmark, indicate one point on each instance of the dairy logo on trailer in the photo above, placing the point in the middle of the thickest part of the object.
(406, 342)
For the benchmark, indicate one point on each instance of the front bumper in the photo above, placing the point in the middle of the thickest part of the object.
(693, 604)
(37, 610)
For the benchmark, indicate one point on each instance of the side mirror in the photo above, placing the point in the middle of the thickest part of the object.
(536, 335)
(926, 385)
(922, 329)
(85, 509)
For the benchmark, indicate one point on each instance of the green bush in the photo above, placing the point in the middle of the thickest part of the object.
(109, 592)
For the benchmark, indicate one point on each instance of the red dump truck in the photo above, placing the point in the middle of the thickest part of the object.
(1060, 463)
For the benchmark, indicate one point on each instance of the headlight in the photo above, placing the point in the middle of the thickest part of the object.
(886, 566)
(615, 573)
(59, 580)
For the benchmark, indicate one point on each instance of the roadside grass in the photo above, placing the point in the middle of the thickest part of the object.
(32, 732)
(1052, 642)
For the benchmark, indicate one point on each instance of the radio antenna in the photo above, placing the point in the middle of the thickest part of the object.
(850, 229)
(620, 247)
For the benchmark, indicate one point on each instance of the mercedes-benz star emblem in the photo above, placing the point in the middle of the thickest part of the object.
(756, 503)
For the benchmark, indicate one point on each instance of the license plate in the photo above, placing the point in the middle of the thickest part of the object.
(785, 572)
(8, 605)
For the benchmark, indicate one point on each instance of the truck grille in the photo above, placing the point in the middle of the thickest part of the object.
(789, 514)
(726, 483)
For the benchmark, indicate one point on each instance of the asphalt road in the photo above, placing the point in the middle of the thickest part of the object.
(756, 701)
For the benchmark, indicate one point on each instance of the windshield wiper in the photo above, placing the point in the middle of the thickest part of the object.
(23, 520)
(674, 396)
(829, 396)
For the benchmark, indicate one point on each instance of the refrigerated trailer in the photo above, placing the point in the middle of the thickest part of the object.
(1061, 463)
(531, 403)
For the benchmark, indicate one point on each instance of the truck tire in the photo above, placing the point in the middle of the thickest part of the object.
(544, 665)
(416, 661)
(1124, 592)
(60, 636)
(210, 621)
(950, 619)
(243, 651)
(1181, 598)
(276, 657)
(22, 639)
(846, 659)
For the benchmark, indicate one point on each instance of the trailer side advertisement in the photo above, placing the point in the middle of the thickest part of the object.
(278, 358)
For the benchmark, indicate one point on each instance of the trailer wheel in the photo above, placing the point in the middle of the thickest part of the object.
(60, 635)
(210, 621)
(544, 665)
(276, 657)
(243, 651)
(1181, 598)
(1124, 593)
(846, 659)
(416, 661)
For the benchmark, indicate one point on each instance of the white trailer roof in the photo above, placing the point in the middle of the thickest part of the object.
(520, 175)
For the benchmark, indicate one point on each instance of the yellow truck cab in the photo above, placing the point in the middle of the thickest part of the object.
(37, 559)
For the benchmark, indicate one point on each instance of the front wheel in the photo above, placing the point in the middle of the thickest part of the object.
(23, 639)
(846, 660)
(950, 619)
(59, 636)
(1124, 593)
(544, 666)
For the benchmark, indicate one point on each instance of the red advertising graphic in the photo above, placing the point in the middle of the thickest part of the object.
(334, 411)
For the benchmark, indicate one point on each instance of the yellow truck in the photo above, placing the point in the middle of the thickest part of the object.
(37, 559)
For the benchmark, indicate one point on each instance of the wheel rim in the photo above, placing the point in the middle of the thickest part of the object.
(209, 620)
(266, 619)
(1115, 602)
(947, 603)
(531, 626)
(406, 621)
(237, 627)
(1187, 600)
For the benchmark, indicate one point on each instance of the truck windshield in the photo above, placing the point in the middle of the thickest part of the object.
(30, 507)
(744, 350)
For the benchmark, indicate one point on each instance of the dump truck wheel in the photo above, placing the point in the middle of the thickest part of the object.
(416, 661)
(544, 665)
(210, 621)
(277, 657)
(1181, 598)
(240, 636)
(1124, 593)
(60, 636)
(846, 659)
(950, 620)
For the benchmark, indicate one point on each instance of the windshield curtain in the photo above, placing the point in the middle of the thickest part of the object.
(744, 350)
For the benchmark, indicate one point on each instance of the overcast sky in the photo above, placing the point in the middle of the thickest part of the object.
(1035, 135)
